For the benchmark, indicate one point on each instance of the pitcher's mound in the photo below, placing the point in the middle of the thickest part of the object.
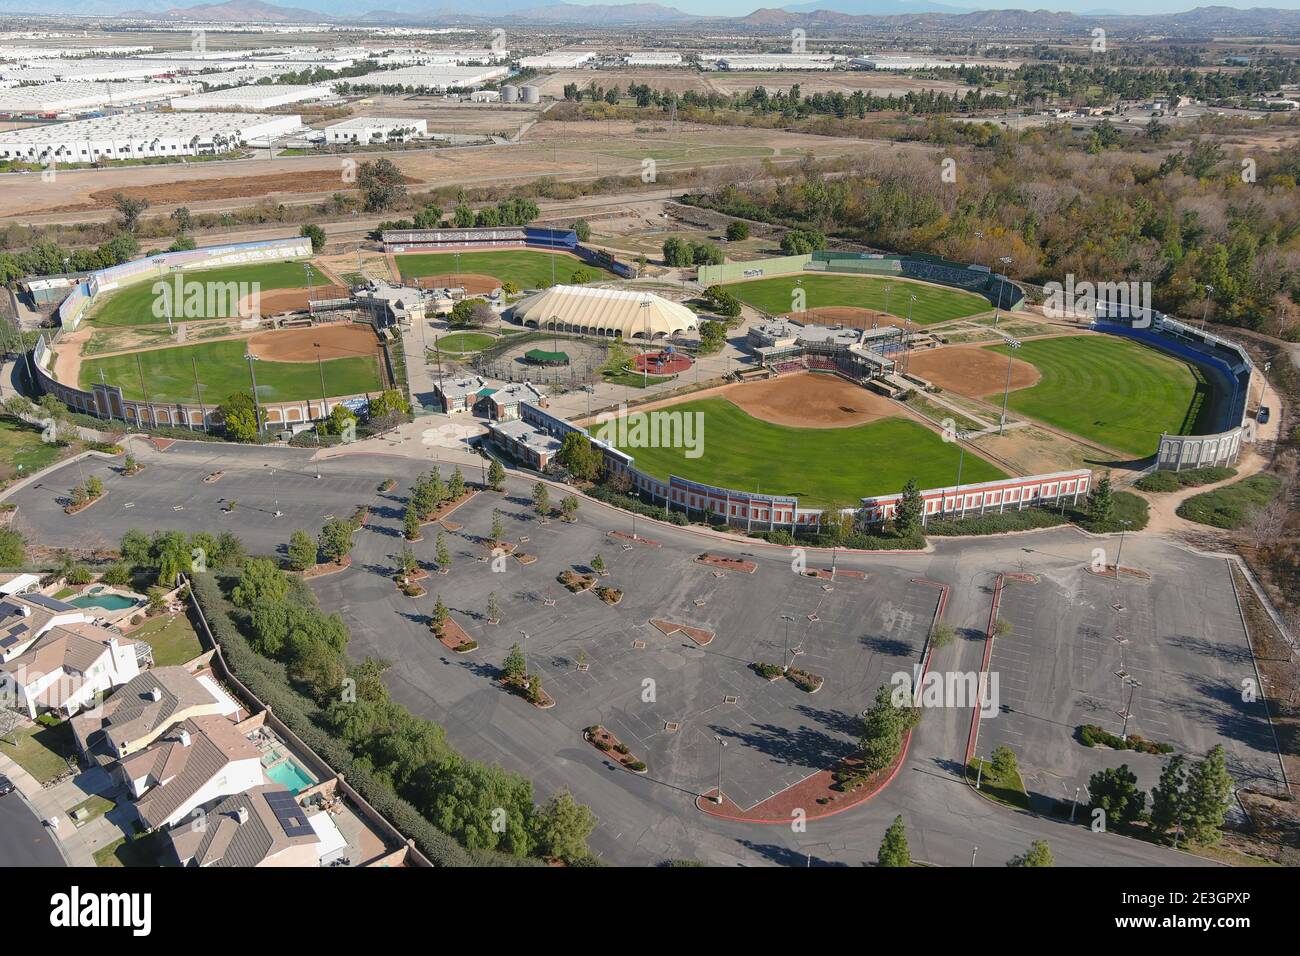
(343, 340)
(474, 283)
(971, 371)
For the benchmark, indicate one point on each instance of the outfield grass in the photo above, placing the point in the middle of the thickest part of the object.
(462, 342)
(1109, 390)
(933, 303)
(133, 304)
(821, 466)
(527, 268)
(169, 374)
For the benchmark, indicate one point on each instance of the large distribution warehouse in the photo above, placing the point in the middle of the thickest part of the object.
(258, 97)
(139, 135)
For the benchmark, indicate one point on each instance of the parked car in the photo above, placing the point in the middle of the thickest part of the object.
(6, 785)
(1262, 415)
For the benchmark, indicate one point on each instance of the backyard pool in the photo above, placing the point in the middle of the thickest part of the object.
(109, 602)
(291, 776)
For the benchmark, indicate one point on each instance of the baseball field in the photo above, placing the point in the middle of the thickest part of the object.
(528, 268)
(169, 374)
(1111, 391)
(821, 466)
(933, 303)
(134, 304)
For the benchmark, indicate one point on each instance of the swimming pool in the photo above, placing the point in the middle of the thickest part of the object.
(290, 775)
(109, 602)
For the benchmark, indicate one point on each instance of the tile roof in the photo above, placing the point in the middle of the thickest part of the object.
(182, 770)
(132, 713)
(225, 840)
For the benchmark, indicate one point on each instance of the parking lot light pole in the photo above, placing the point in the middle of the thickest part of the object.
(1120, 553)
(1075, 804)
(1133, 685)
(786, 655)
(722, 745)
(525, 651)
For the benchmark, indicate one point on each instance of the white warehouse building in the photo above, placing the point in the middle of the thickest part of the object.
(557, 60)
(431, 77)
(74, 96)
(376, 129)
(138, 135)
(653, 58)
(256, 97)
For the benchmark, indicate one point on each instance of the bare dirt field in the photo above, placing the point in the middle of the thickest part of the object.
(808, 401)
(342, 340)
(474, 283)
(971, 371)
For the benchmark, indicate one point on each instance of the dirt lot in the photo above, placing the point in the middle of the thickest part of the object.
(342, 340)
(971, 371)
(810, 401)
(474, 283)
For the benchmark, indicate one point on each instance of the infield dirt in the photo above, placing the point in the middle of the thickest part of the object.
(972, 371)
(474, 283)
(343, 340)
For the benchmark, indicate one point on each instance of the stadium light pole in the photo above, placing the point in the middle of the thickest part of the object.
(320, 367)
(1205, 313)
(997, 306)
(1012, 345)
(888, 287)
(257, 407)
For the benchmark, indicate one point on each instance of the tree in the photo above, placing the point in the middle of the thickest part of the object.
(798, 242)
(713, 336)
(893, 848)
(260, 583)
(561, 828)
(515, 665)
(883, 727)
(582, 459)
(909, 510)
(737, 230)
(1101, 502)
(240, 417)
(677, 252)
(339, 420)
(1169, 799)
(1115, 791)
(496, 475)
(129, 210)
(569, 507)
(316, 234)
(407, 562)
(498, 528)
(410, 524)
(1209, 791)
(440, 612)
(463, 217)
(493, 607)
(382, 185)
(1038, 854)
(135, 548)
(456, 487)
(942, 635)
(541, 499)
(443, 553)
(184, 221)
(13, 548)
(336, 539)
(301, 551)
(94, 487)
(118, 575)
(1004, 761)
(582, 229)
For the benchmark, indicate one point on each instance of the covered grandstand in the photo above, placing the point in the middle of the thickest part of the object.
(614, 313)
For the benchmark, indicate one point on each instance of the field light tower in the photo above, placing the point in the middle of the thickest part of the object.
(1012, 345)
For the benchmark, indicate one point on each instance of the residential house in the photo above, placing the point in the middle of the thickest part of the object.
(263, 826)
(68, 667)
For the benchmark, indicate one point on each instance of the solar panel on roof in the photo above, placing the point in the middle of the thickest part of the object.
(48, 602)
(290, 816)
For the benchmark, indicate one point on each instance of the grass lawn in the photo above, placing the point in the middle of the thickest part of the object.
(142, 851)
(21, 444)
(1162, 481)
(133, 304)
(1232, 505)
(461, 342)
(821, 466)
(635, 379)
(40, 750)
(527, 268)
(1008, 789)
(94, 806)
(172, 638)
(1110, 390)
(933, 303)
(169, 374)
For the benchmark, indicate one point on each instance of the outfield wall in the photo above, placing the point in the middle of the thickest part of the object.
(759, 512)
(107, 401)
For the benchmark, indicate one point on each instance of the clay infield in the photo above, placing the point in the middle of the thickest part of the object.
(849, 316)
(662, 363)
(275, 301)
(810, 401)
(343, 340)
(474, 283)
(971, 371)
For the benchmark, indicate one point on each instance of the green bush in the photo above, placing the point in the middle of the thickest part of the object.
(1231, 506)
(1128, 507)
(1165, 481)
(630, 503)
(996, 523)
(1090, 735)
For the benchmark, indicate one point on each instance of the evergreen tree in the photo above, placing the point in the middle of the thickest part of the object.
(440, 612)
(498, 527)
(541, 499)
(1209, 790)
(514, 665)
(301, 551)
(907, 514)
(893, 848)
(1169, 798)
(1038, 854)
(443, 553)
(496, 475)
(456, 487)
(493, 608)
(411, 524)
(883, 727)
(1115, 791)
(1101, 502)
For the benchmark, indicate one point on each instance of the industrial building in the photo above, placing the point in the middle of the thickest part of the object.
(894, 62)
(775, 61)
(653, 58)
(557, 60)
(430, 77)
(78, 97)
(251, 97)
(138, 135)
(376, 129)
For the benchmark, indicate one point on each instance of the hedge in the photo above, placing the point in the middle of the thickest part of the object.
(630, 503)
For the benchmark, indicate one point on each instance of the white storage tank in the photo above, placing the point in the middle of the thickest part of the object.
(509, 94)
(531, 94)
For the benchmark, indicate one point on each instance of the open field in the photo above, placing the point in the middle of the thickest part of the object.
(933, 303)
(1108, 390)
(821, 466)
(460, 342)
(689, 80)
(169, 374)
(529, 268)
(134, 304)
(21, 445)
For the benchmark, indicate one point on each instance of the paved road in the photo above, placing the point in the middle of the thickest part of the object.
(643, 819)
(24, 841)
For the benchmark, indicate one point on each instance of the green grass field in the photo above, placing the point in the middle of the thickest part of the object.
(1231, 506)
(1110, 390)
(461, 342)
(933, 303)
(527, 268)
(821, 466)
(134, 304)
(21, 444)
(169, 374)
